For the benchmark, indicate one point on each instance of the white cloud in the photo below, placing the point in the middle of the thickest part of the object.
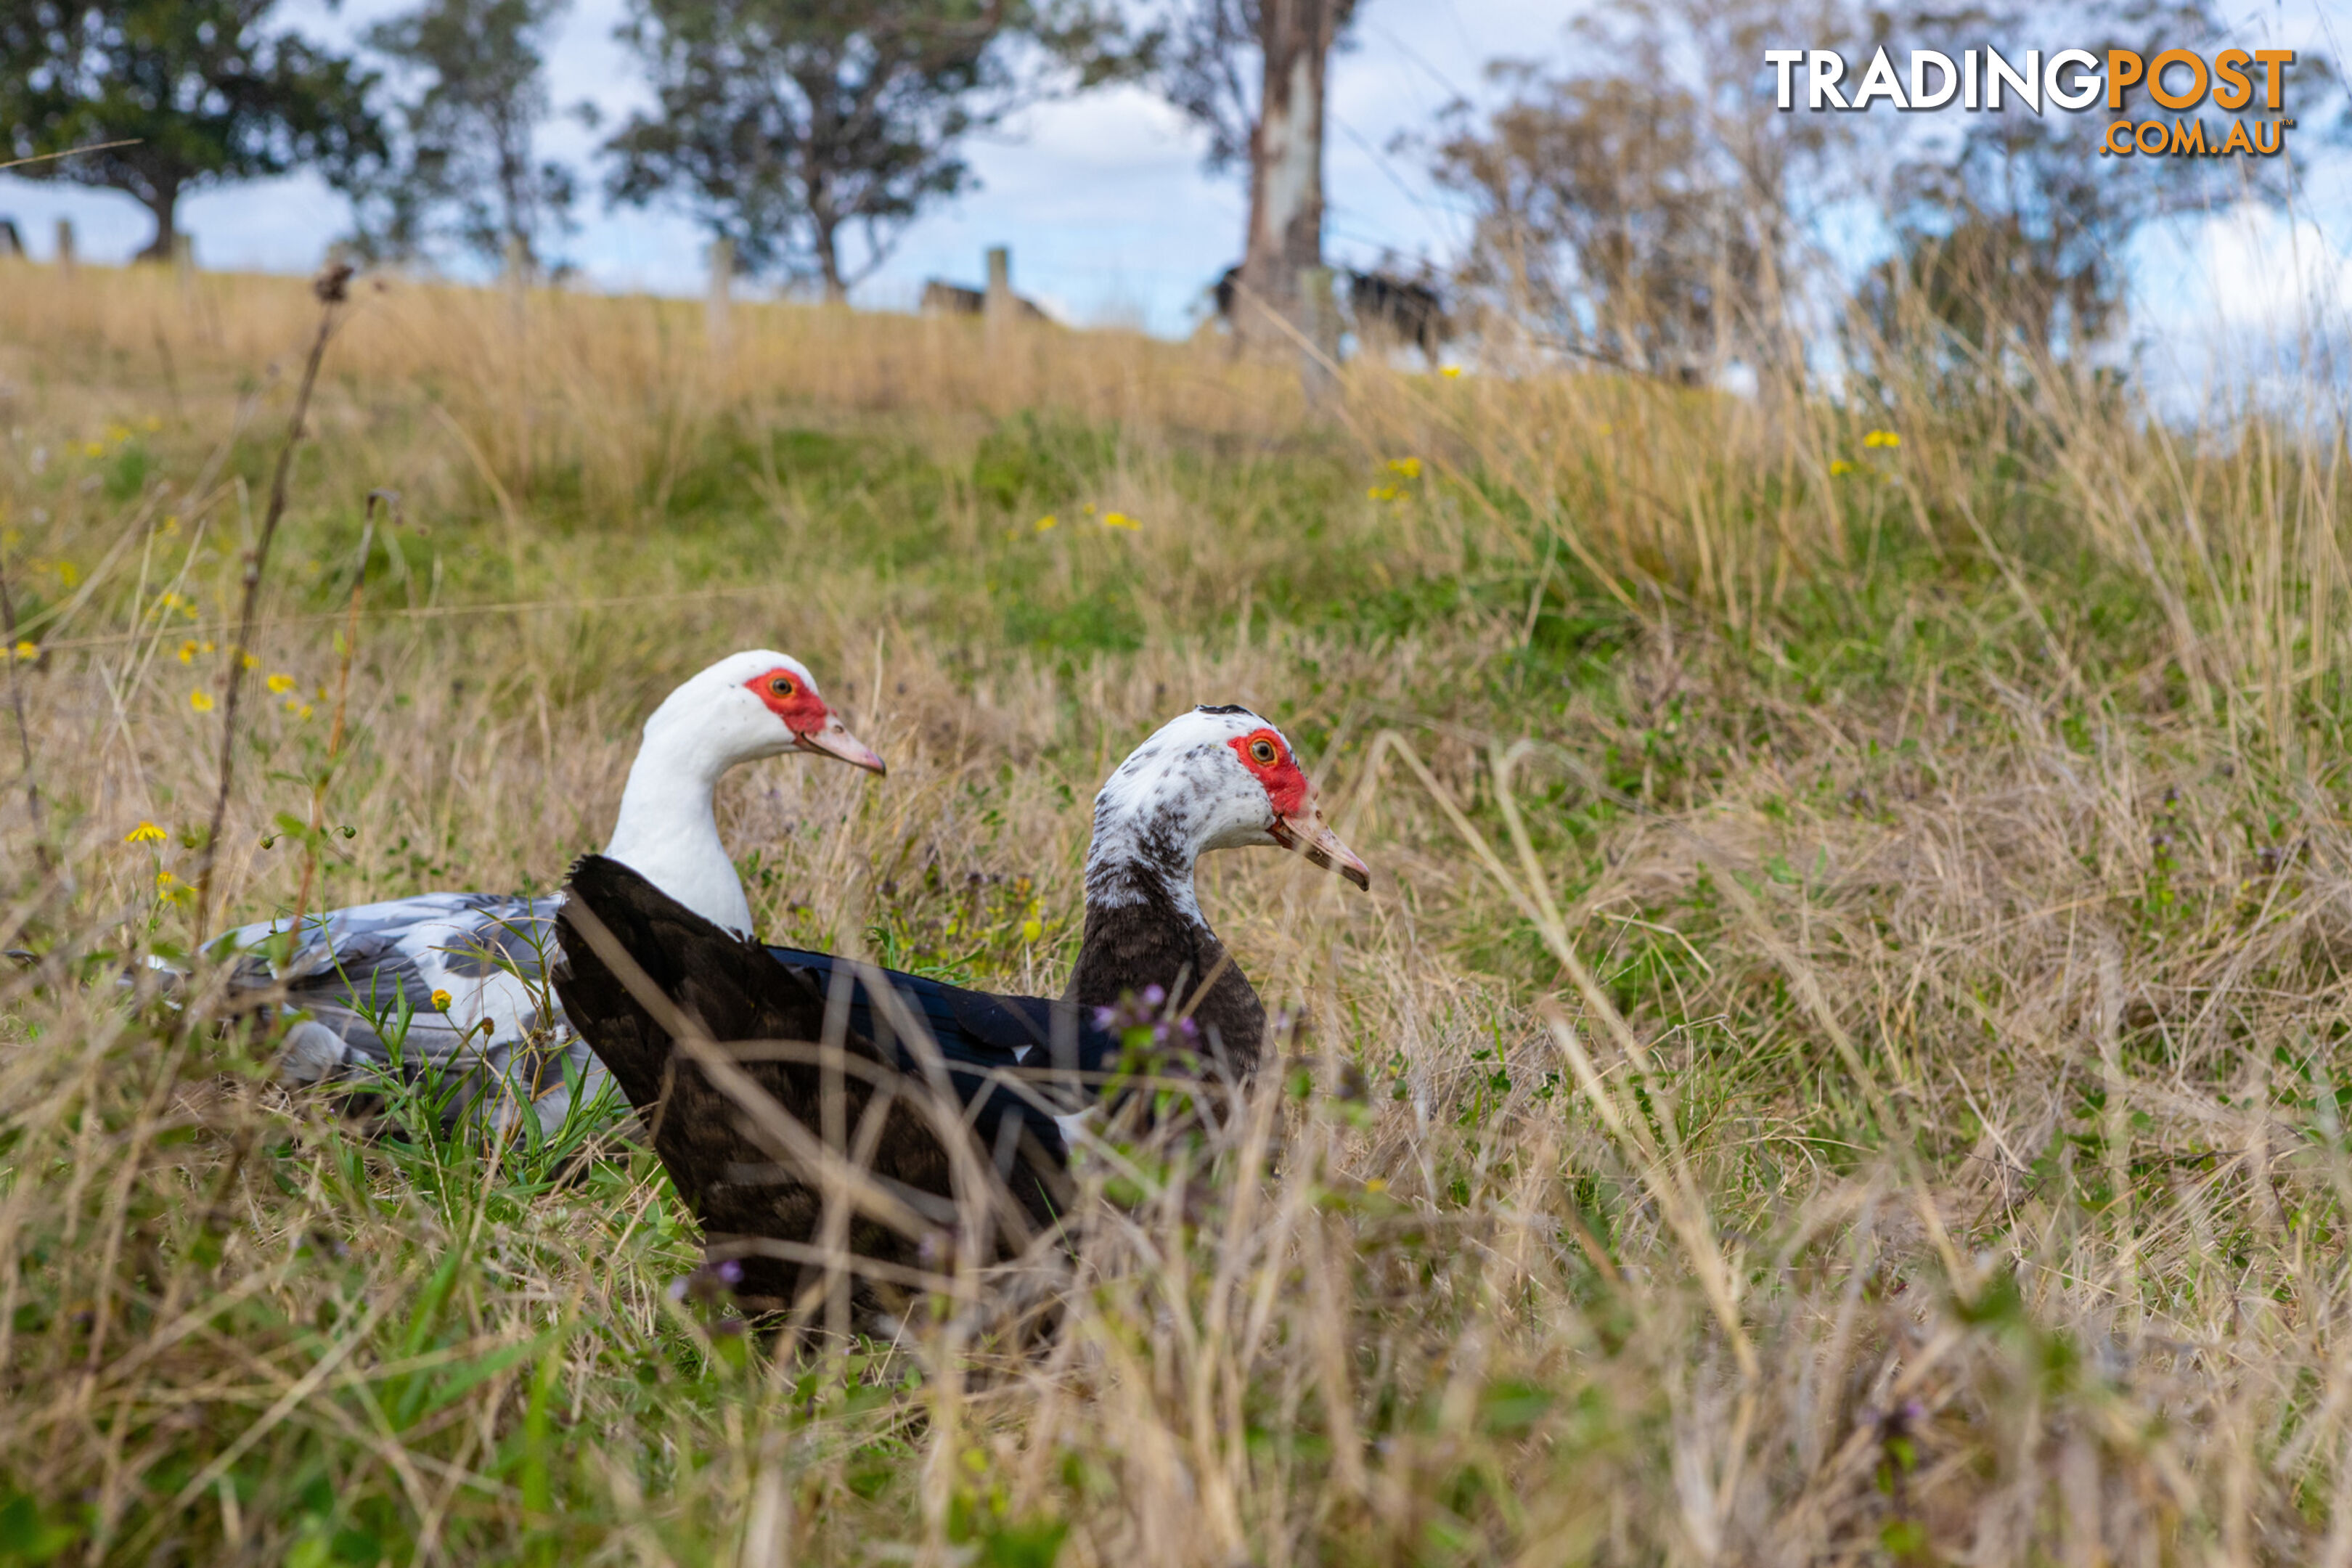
(2265, 271)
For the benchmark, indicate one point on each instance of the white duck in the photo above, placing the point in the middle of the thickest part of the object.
(470, 968)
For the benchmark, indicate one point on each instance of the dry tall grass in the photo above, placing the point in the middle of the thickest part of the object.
(1843, 1060)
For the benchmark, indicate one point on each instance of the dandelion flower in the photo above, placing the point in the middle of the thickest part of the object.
(201, 702)
(441, 1000)
(1119, 520)
(145, 833)
(1047, 521)
(27, 650)
(1882, 438)
(1840, 468)
(1030, 930)
(281, 684)
(1450, 372)
(187, 652)
(1409, 467)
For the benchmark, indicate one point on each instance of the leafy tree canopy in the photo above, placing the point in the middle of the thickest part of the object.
(465, 169)
(205, 94)
(780, 124)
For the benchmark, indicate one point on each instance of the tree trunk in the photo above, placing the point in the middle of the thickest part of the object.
(163, 205)
(828, 256)
(1285, 217)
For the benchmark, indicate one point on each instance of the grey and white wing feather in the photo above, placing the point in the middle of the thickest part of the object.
(351, 973)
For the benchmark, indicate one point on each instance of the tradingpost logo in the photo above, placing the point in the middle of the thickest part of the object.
(1985, 81)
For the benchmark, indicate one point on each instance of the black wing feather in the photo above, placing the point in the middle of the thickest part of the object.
(714, 1151)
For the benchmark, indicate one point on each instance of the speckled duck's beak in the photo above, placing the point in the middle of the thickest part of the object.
(1312, 836)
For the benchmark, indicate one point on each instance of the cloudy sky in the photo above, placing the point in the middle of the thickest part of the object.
(1111, 218)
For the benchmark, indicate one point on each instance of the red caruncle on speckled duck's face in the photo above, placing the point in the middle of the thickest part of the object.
(1298, 822)
(1263, 752)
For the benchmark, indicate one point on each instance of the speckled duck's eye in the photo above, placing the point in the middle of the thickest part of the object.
(1261, 751)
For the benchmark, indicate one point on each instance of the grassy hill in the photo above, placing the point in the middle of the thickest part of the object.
(1842, 1059)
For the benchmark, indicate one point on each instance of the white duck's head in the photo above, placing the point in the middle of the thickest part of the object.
(749, 705)
(757, 703)
(1215, 778)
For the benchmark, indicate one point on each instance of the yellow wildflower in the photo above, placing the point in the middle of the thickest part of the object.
(441, 1000)
(1031, 930)
(69, 574)
(306, 711)
(1450, 372)
(201, 702)
(1376, 1185)
(1882, 438)
(1119, 520)
(145, 833)
(27, 650)
(281, 684)
(163, 879)
(1382, 492)
(187, 652)
(252, 662)
(1409, 467)
(118, 434)
(1840, 468)
(1047, 521)
(93, 449)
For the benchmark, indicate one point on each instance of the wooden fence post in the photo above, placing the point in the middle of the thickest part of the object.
(184, 268)
(1320, 325)
(517, 279)
(997, 304)
(716, 326)
(64, 246)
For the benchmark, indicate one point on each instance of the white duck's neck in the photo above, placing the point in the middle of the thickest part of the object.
(667, 831)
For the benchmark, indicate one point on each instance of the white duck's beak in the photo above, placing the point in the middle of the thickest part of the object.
(1312, 836)
(832, 739)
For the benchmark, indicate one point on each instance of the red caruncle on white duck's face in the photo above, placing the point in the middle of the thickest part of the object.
(790, 696)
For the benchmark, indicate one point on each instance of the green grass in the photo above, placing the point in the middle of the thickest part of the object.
(1919, 1139)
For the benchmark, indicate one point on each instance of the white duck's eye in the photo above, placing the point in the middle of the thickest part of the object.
(781, 686)
(1263, 751)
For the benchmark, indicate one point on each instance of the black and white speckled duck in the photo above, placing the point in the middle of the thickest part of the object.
(470, 967)
(1215, 778)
